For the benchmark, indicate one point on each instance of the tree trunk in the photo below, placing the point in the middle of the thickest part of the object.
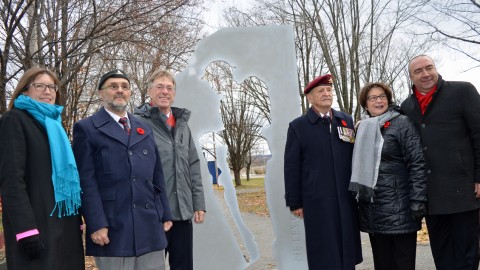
(248, 165)
(238, 180)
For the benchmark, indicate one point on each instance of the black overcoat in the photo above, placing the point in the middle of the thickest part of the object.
(317, 172)
(450, 133)
(402, 179)
(28, 197)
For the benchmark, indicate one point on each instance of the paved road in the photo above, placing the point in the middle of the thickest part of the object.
(261, 227)
(424, 256)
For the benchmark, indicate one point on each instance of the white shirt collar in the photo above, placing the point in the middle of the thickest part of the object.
(116, 117)
(167, 114)
(327, 114)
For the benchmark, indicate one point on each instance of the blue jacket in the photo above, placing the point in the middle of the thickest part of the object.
(123, 186)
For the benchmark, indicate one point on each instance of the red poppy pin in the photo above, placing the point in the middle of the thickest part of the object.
(386, 125)
(140, 131)
(344, 123)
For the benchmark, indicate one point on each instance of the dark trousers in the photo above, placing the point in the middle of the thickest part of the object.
(454, 240)
(180, 245)
(394, 252)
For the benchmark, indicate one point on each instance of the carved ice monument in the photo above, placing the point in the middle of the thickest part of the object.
(267, 52)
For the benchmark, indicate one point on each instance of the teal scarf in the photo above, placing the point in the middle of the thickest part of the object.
(66, 182)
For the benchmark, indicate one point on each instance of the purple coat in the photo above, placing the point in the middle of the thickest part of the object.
(123, 186)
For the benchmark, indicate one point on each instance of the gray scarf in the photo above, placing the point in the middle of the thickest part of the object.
(367, 153)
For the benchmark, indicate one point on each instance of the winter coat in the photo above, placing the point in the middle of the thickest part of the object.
(317, 168)
(450, 134)
(123, 187)
(181, 165)
(401, 180)
(28, 197)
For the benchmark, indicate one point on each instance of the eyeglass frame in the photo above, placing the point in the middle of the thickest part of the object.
(162, 86)
(375, 98)
(51, 87)
(116, 87)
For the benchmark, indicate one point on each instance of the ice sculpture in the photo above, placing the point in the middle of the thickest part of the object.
(267, 52)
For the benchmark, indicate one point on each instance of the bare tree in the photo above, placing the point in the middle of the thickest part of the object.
(242, 121)
(257, 93)
(80, 40)
(355, 41)
(12, 14)
(455, 24)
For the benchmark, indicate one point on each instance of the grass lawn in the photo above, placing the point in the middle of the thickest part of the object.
(253, 183)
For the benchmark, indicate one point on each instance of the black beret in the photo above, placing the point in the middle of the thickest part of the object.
(116, 73)
(326, 79)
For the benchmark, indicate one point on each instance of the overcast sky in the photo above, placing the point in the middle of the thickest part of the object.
(450, 64)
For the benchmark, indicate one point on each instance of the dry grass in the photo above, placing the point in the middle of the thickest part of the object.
(422, 235)
(90, 263)
(253, 202)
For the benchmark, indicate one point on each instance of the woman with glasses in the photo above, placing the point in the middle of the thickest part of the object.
(389, 179)
(39, 180)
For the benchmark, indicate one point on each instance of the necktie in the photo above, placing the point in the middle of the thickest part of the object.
(326, 120)
(124, 122)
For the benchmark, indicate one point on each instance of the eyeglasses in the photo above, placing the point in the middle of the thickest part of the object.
(161, 87)
(41, 87)
(374, 98)
(116, 87)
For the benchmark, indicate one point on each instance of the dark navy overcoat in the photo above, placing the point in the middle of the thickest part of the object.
(317, 174)
(123, 186)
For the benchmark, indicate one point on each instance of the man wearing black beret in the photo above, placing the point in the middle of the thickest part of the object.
(317, 170)
(124, 200)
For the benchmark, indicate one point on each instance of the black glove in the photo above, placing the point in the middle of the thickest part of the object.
(293, 208)
(32, 246)
(417, 210)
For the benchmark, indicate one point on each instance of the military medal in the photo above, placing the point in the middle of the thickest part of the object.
(346, 134)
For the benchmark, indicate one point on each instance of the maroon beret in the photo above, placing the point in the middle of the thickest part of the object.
(320, 80)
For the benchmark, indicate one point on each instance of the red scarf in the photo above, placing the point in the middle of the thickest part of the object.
(171, 120)
(424, 99)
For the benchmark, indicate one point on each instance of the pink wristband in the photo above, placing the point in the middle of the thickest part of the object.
(27, 234)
